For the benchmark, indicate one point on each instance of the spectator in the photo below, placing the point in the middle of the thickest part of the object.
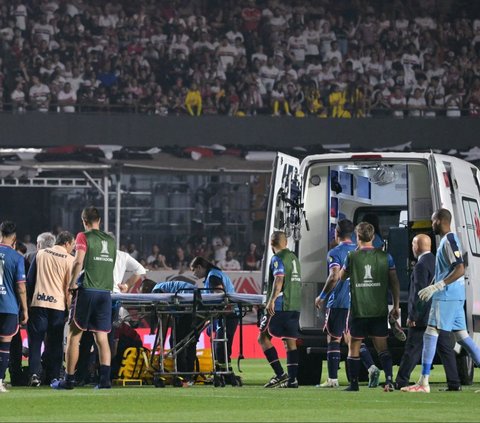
(156, 261)
(416, 104)
(279, 99)
(18, 98)
(132, 250)
(193, 101)
(398, 102)
(39, 95)
(229, 263)
(180, 261)
(67, 99)
(252, 258)
(454, 103)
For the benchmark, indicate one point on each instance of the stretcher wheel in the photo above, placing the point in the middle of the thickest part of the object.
(178, 382)
(239, 381)
(218, 380)
(159, 382)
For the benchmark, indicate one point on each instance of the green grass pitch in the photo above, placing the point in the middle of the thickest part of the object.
(251, 403)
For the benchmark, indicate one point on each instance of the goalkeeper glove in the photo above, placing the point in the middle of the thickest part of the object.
(426, 293)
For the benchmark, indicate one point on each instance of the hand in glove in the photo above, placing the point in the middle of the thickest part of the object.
(426, 293)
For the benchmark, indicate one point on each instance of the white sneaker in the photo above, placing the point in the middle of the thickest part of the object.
(2, 387)
(329, 383)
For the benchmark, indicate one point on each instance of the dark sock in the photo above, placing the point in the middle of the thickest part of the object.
(386, 361)
(4, 358)
(353, 370)
(104, 375)
(272, 357)
(333, 359)
(292, 365)
(366, 357)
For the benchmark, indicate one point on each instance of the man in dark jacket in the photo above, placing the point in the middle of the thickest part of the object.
(417, 319)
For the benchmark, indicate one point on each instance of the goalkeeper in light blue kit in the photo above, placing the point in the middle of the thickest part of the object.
(448, 298)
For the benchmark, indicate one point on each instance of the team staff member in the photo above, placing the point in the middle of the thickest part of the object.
(448, 297)
(337, 295)
(283, 312)
(216, 279)
(417, 320)
(50, 275)
(92, 305)
(371, 272)
(11, 284)
(17, 377)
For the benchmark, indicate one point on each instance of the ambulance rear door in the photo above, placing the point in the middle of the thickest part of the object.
(283, 206)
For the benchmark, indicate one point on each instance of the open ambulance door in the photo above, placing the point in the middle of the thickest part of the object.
(284, 212)
(441, 183)
(458, 190)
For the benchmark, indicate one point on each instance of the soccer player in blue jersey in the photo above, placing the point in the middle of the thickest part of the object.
(12, 283)
(282, 312)
(336, 294)
(448, 298)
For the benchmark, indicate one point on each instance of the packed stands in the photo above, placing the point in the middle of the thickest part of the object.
(322, 58)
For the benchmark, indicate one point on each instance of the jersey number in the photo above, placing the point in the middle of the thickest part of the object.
(2, 264)
(294, 265)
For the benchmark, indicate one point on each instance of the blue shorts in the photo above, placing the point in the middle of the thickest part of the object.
(447, 315)
(336, 322)
(92, 310)
(284, 324)
(362, 327)
(8, 324)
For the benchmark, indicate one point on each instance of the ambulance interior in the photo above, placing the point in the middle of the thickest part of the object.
(398, 193)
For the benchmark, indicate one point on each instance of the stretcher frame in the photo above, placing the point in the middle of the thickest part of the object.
(205, 308)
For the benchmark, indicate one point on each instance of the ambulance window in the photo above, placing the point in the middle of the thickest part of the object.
(472, 220)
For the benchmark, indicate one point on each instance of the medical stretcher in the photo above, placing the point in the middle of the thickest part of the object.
(205, 309)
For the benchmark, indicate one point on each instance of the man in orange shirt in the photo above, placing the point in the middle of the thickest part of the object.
(50, 273)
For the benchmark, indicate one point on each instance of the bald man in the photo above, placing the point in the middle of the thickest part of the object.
(417, 319)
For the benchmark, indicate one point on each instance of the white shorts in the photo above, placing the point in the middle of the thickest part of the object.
(447, 315)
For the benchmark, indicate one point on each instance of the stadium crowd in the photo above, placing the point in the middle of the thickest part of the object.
(321, 58)
(217, 249)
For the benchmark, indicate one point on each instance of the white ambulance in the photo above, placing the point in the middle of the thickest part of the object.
(402, 189)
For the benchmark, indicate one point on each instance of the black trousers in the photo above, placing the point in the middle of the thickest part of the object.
(186, 358)
(413, 353)
(17, 377)
(50, 323)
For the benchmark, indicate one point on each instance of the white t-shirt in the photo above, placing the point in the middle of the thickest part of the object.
(226, 55)
(62, 95)
(298, 46)
(39, 94)
(21, 17)
(17, 96)
(229, 265)
(125, 263)
(44, 31)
